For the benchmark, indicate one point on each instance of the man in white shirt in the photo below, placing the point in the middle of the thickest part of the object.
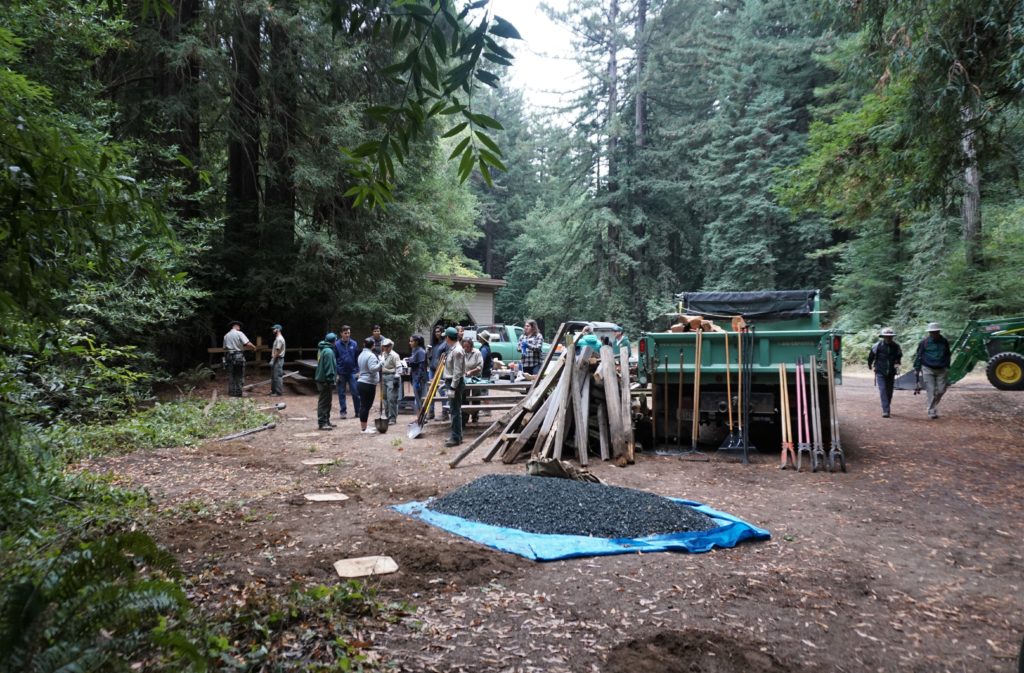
(277, 363)
(234, 359)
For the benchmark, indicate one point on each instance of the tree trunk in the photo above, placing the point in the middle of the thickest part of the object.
(180, 81)
(971, 204)
(641, 69)
(613, 91)
(241, 229)
(279, 211)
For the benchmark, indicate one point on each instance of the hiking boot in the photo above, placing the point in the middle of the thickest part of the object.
(326, 427)
(885, 414)
(343, 415)
(331, 424)
(452, 442)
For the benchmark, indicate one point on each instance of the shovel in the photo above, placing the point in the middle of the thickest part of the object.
(416, 427)
(381, 422)
(693, 453)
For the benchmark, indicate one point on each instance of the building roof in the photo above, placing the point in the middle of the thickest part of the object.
(467, 280)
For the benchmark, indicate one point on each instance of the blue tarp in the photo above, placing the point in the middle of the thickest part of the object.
(538, 547)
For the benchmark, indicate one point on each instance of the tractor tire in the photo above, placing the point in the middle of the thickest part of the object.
(1005, 371)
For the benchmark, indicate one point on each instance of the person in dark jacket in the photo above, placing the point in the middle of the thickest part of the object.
(417, 362)
(932, 361)
(346, 353)
(325, 376)
(885, 358)
(437, 349)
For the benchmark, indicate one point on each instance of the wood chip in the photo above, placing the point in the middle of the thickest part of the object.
(326, 497)
(318, 461)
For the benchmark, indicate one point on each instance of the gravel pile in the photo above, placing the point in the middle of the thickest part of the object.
(567, 507)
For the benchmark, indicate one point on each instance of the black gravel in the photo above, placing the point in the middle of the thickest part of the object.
(567, 507)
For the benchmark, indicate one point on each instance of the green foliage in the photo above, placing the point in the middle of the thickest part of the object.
(305, 630)
(180, 423)
(95, 606)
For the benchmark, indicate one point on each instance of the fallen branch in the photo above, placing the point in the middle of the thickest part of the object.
(243, 433)
(263, 383)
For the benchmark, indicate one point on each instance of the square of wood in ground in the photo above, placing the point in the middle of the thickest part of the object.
(365, 566)
(318, 461)
(326, 497)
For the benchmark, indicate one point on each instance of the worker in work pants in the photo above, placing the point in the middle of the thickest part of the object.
(935, 386)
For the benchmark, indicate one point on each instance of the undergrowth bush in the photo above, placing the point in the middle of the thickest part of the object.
(180, 423)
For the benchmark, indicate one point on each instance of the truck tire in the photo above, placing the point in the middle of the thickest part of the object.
(1005, 371)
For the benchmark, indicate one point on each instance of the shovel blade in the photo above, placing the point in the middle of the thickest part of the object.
(907, 381)
(415, 430)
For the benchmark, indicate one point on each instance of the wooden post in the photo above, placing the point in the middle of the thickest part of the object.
(602, 430)
(612, 401)
(627, 410)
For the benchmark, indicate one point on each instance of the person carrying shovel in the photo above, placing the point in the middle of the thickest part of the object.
(884, 358)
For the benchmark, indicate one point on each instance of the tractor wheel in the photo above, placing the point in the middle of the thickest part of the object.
(1006, 371)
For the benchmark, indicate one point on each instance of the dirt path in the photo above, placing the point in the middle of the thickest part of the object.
(910, 562)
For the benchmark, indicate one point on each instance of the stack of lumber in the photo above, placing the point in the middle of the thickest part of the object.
(694, 323)
(578, 402)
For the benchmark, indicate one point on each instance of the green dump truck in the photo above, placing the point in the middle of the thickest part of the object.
(783, 327)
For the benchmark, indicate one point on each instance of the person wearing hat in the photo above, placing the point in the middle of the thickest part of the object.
(621, 340)
(455, 380)
(932, 362)
(235, 342)
(484, 337)
(389, 363)
(438, 348)
(885, 357)
(277, 363)
(325, 377)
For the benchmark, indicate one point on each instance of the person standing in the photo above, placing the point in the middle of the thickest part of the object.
(235, 342)
(588, 338)
(366, 383)
(932, 362)
(455, 379)
(378, 340)
(277, 363)
(326, 373)
(347, 354)
(621, 340)
(530, 345)
(417, 362)
(473, 366)
(439, 348)
(484, 338)
(885, 357)
(389, 363)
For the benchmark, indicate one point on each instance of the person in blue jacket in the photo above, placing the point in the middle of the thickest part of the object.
(346, 353)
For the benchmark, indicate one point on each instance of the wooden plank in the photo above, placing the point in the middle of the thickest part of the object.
(547, 358)
(581, 402)
(612, 402)
(627, 411)
(250, 386)
(508, 420)
(602, 429)
(557, 401)
(565, 406)
(529, 431)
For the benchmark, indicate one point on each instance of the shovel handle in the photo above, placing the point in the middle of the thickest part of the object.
(432, 390)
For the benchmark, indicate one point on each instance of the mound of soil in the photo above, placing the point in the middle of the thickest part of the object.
(693, 651)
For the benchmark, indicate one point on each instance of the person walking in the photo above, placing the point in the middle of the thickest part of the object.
(326, 373)
(389, 364)
(530, 345)
(455, 379)
(347, 352)
(366, 383)
(885, 358)
(277, 363)
(418, 375)
(932, 362)
(235, 342)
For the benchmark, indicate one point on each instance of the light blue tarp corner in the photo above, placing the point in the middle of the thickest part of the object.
(730, 532)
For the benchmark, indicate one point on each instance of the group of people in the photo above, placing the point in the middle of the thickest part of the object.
(343, 365)
(931, 362)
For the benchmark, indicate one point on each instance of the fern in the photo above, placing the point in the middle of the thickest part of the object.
(94, 607)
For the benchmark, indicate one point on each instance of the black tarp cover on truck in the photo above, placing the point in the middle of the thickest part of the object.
(766, 305)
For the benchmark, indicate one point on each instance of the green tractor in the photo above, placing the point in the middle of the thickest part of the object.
(998, 342)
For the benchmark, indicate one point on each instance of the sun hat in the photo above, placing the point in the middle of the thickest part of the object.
(934, 327)
(451, 333)
(331, 336)
(887, 331)
(484, 336)
(387, 342)
(618, 328)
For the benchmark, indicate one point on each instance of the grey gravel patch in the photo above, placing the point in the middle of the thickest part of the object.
(566, 507)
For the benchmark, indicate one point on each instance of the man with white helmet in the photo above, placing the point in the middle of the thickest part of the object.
(932, 361)
(885, 357)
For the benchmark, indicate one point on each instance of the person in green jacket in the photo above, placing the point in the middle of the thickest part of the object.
(325, 377)
(621, 340)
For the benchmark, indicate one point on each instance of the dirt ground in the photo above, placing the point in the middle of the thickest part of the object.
(910, 562)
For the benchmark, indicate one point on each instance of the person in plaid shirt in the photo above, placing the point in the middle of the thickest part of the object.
(530, 345)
